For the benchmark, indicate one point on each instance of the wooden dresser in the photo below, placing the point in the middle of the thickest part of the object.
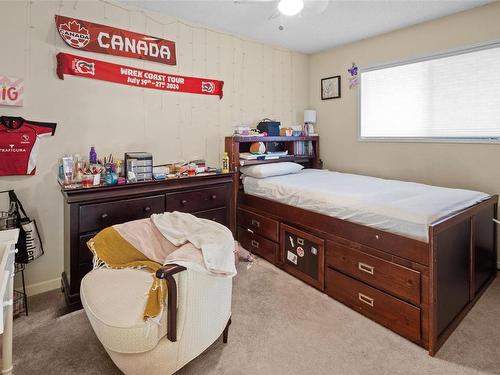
(87, 211)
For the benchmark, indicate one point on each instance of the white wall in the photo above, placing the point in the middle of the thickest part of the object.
(260, 81)
(470, 166)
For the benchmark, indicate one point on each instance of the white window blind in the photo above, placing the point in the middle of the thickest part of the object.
(448, 97)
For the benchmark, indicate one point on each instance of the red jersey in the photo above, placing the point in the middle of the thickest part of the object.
(19, 141)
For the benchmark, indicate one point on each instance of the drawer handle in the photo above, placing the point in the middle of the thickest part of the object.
(249, 230)
(147, 209)
(255, 244)
(365, 299)
(183, 202)
(104, 216)
(377, 237)
(255, 223)
(213, 196)
(366, 268)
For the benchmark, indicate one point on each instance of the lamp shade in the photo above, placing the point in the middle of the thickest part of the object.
(310, 116)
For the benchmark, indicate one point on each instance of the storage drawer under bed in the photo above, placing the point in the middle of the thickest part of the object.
(259, 224)
(258, 245)
(397, 280)
(303, 255)
(399, 316)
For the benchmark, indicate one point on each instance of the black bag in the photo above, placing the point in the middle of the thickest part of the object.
(29, 245)
(272, 128)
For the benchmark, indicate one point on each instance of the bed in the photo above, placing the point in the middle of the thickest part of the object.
(414, 258)
(399, 207)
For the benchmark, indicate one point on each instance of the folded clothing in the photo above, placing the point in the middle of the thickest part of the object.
(215, 241)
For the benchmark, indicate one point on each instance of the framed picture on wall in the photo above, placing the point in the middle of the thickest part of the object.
(330, 88)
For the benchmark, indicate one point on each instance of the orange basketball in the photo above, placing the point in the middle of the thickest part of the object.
(257, 148)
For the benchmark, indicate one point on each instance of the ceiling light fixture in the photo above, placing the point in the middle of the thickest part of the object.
(290, 7)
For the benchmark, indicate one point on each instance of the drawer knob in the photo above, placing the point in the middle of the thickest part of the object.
(377, 237)
(255, 223)
(365, 299)
(255, 244)
(104, 215)
(366, 268)
(147, 209)
(213, 196)
(183, 202)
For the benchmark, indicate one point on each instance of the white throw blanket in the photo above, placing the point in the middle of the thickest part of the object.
(215, 240)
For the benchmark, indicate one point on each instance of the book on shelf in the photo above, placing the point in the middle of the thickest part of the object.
(267, 156)
(303, 148)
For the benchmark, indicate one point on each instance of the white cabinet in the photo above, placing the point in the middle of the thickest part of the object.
(8, 240)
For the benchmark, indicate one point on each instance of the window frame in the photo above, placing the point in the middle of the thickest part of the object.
(448, 53)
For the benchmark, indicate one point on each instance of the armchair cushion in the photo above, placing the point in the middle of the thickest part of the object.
(114, 300)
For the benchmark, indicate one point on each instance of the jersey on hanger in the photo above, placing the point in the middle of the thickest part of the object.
(19, 142)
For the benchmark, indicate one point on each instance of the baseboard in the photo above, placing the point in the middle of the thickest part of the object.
(42, 287)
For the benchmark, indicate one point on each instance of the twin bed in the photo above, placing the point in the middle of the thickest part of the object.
(412, 257)
(399, 207)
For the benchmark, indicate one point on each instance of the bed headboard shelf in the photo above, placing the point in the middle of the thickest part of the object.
(238, 144)
(235, 144)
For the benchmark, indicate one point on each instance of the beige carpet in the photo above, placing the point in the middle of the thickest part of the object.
(280, 326)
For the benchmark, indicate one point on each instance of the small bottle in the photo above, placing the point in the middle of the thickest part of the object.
(225, 163)
(78, 165)
(92, 156)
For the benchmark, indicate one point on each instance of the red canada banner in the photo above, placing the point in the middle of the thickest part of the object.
(127, 75)
(92, 37)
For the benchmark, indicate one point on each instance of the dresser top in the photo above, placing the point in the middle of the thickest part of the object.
(142, 188)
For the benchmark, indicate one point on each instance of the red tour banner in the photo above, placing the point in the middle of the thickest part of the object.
(92, 37)
(127, 75)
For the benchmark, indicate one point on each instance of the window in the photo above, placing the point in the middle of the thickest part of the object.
(450, 97)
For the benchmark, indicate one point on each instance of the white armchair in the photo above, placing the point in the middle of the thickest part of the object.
(197, 312)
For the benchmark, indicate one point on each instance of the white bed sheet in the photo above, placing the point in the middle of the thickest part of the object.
(398, 207)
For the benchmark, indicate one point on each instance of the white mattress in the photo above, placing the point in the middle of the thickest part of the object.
(399, 207)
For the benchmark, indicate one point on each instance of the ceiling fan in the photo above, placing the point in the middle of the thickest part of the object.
(290, 8)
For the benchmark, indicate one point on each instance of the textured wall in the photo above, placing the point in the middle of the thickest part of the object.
(470, 166)
(260, 81)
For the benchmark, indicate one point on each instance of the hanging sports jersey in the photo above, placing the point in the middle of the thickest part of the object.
(19, 142)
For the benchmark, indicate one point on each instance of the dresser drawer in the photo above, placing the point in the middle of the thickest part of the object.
(264, 226)
(101, 215)
(400, 281)
(218, 215)
(84, 253)
(258, 245)
(198, 200)
(399, 316)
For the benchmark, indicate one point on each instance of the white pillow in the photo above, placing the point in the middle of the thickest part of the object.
(272, 169)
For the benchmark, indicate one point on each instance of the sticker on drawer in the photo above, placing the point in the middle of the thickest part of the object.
(291, 257)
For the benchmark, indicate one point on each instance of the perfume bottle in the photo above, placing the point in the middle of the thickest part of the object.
(92, 156)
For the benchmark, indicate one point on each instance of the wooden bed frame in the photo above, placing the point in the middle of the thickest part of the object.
(419, 290)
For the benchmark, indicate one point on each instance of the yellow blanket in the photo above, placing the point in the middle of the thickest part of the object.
(114, 251)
